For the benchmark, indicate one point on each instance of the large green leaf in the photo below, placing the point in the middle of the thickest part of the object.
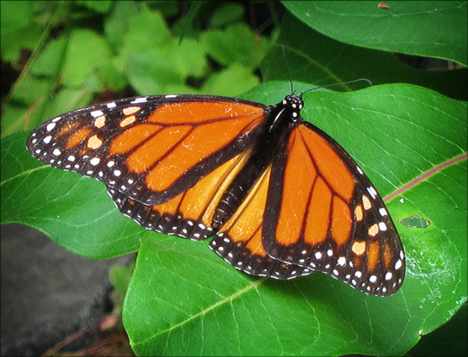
(424, 28)
(185, 300)
(315, 58)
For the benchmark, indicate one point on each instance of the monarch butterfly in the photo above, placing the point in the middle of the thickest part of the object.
(281, 197)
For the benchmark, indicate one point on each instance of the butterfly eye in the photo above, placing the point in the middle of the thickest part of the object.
(280, 197)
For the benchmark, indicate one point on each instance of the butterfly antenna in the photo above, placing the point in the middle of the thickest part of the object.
(337, 84)
(287, 69)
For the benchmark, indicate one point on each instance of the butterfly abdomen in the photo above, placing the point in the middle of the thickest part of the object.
(265, 148)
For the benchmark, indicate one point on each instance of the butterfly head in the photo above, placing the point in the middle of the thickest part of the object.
(294, 104)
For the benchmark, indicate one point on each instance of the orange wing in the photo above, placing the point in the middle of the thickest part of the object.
(283, 198)
(324, 214)
(239, 240)
(190, 214)
(149, 148)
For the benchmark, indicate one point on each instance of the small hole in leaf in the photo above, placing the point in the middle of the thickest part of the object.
(415, 222)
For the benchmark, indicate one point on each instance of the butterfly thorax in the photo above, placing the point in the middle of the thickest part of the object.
(282, 118)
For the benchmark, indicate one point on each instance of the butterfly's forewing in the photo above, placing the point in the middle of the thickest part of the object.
(323, 213)
(149, 148)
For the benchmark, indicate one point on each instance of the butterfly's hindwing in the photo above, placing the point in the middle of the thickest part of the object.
(131, 144)
(239, 240)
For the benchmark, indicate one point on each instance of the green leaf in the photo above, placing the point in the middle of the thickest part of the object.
(137, 48)
(423, 28)
(146, 31)
(19, 30)
(49, 61)
(77, 212)
(87, 52)
(98, 6)
(23, 89)
(234, 80)
(120, 277)
(226, 14)
(235, 44)
(153, 60)
(175, 63)
(117, 23)
(448, 340)
(183, 299)
(318, 59)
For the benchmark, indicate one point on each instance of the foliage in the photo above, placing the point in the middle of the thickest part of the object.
(408, 132)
